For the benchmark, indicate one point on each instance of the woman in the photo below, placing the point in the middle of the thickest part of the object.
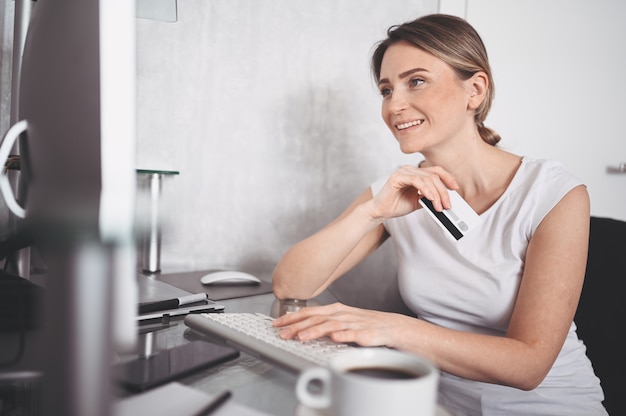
(495, 309)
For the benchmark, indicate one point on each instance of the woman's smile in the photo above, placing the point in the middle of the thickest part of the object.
(409, 124)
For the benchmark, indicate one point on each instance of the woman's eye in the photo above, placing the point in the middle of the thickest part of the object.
(415, 82)
(385, 91)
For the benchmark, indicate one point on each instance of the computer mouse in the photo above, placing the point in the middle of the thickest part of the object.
(229, 277)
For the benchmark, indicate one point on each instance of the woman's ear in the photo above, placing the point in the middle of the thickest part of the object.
(477, 86)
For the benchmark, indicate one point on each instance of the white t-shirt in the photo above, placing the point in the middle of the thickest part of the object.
(471, 285)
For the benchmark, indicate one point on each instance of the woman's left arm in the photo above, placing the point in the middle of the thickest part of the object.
(546, 303)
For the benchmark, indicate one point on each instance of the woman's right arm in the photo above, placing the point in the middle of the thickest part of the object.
(311, 265)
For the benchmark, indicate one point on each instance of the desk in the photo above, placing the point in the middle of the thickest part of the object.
(258, 388)
(254, 383)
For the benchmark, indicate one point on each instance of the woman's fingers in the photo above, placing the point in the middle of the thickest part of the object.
(312, 322)
(444, 183)
(339, 322)
(432, 183)
(304, 318)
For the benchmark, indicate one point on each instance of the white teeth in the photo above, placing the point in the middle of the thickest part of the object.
(409, 124)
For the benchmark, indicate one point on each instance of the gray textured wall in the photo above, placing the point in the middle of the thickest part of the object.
(268, 110)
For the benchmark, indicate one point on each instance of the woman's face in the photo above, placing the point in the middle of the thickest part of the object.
(425, 104)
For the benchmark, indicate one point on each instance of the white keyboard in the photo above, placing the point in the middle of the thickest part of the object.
(254, 334)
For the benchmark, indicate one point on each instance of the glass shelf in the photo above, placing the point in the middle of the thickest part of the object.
(157, 172)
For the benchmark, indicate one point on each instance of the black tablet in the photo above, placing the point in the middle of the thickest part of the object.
(162, 367)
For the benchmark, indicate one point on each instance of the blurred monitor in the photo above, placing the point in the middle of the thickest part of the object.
(77, 183)
(77, 96)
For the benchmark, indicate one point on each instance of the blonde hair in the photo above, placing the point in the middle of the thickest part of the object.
(455, 42)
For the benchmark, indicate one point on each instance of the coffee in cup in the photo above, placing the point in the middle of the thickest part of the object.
(371, 381)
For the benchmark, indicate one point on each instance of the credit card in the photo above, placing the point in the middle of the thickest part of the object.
(457, 221)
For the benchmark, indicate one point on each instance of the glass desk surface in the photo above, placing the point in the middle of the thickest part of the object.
(253, 382)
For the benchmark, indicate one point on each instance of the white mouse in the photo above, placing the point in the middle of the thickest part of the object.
(229, 277)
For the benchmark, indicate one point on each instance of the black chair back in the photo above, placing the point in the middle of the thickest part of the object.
(601, 314)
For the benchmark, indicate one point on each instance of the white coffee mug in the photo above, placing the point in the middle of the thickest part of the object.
(371, 382)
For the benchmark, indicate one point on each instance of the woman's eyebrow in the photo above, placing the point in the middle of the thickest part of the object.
(403, 74)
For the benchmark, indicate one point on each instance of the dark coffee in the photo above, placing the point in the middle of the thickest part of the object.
(384, 373)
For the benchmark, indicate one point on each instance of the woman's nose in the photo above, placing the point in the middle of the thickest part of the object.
(397, 102)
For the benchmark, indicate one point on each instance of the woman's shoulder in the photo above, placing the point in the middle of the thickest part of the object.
(542, 165)
(548, 171)
(540, 185)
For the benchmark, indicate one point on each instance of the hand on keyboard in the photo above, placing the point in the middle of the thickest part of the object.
(255, 334)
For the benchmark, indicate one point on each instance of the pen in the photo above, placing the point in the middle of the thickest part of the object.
(162, 305)
(217, 402)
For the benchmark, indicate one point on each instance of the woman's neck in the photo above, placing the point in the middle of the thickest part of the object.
(482, 171)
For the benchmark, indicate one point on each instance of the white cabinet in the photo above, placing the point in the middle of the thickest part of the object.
(560, 75)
